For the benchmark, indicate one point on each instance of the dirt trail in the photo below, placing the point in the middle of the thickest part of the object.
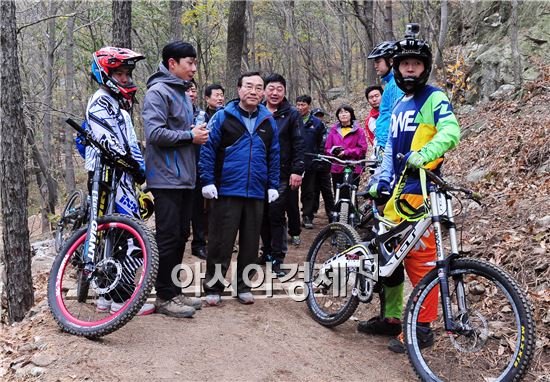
(274, 339)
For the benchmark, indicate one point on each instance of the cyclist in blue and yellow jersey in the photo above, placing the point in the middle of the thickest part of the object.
(423, 128)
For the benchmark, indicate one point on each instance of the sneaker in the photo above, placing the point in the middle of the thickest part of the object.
(424, 335)
(190, 301)
(213, 299)
(276, 268)
(246, 298)
(380, 326)
(145, 309)
(174, 308)
(264, 258)
(295, 240)
(307, 222)
(103, 305)
(200, 253)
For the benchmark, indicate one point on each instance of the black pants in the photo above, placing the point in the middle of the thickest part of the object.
(227, 216)
(198, 220)
(173, 209)
(313, 184)
(323, 186)
(274, 224)
(293, 213)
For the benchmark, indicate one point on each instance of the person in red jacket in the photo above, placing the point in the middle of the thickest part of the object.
(373, 94)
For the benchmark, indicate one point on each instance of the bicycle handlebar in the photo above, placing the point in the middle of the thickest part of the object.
(440, 182)
(345, 162)
(127, 163)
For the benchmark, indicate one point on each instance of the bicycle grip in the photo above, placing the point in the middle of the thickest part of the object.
(76, 126)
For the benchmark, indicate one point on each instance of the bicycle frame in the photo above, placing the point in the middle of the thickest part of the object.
(381, 256)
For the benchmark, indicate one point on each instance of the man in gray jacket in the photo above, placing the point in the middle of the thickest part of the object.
(171, 168)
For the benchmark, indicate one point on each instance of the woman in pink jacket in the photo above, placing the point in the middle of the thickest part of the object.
(346, 140)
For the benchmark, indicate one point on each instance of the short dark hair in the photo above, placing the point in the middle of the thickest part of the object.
(274, 77)
(371, 88)
(304, 98)
(177, 50)
(247, 74)
(209, 88)
(347, 108)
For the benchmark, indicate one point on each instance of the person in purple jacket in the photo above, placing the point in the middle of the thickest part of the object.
(346, 140)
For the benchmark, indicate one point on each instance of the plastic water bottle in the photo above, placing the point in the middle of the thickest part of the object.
(200, 118)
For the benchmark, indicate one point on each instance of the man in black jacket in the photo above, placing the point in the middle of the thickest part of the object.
(317, 175)
(291, 142)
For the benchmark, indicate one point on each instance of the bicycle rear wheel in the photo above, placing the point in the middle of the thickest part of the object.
(83, 303)
(331, 300)
(71, 218)
(498, 340)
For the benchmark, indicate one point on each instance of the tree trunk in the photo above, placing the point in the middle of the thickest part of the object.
(69, 92)
(516, 56)
(49, 159)
(122, 23)
(235, 42)
(13, 193)
(443, 29)
(175, 20)
(388, 21)
(251, 34)
(364, 11)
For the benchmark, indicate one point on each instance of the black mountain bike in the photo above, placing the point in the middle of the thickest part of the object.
(114, 258)
(484, 331)
(347, 209)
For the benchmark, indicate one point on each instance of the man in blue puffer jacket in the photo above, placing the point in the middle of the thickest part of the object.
(238, 163)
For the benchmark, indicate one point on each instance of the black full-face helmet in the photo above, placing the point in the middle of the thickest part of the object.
(411, 47)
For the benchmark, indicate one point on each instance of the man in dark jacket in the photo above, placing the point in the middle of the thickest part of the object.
(238, 164)
(171, 168)
(291, 142)
(317, 173)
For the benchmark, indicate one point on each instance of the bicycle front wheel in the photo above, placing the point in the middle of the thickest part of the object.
(96, 303)
(331, 300)
(497, 339)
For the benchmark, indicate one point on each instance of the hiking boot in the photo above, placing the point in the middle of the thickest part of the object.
(213, 299)
(264, 258)
(174, 308)
(276, 268)
(381, 326)
(190, 301)
(200, 253)
(246, 298)
(145, 309)
(307, 222)
(295, 240)
(424, 335)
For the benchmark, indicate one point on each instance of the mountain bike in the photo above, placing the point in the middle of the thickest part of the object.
(73, 216)
(347, 209)
(114, 258)
(484, 330)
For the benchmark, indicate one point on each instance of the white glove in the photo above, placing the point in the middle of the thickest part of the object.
(272, 195)
(210, 192)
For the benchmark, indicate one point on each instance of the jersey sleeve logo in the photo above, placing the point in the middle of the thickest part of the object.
(444, 109)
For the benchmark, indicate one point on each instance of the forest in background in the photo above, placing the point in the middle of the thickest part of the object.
(321, 47)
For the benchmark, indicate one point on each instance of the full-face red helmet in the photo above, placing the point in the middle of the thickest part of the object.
(105, 61)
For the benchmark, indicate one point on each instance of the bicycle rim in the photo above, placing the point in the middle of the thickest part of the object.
(498, 343)
(101, 303)
(331, 298)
